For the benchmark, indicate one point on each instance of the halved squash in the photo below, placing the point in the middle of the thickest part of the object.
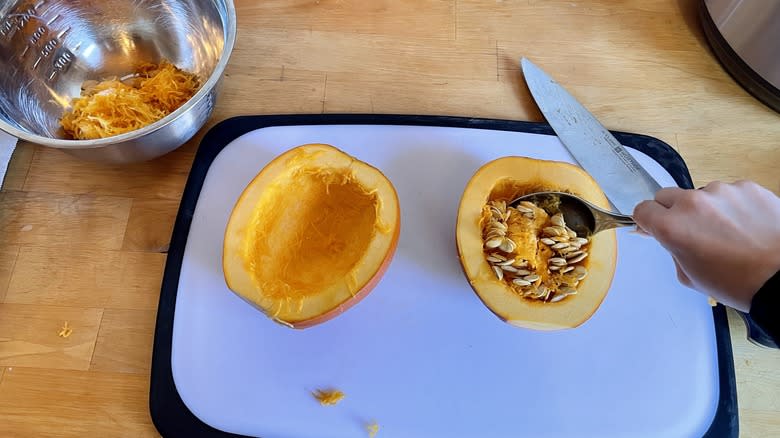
(311, 235)
(524, 263)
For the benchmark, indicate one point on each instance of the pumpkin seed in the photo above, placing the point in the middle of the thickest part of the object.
(579, 258)
(507, 245)
(496, 225)
(553, 231)
(557, 297)
(568, 249)
(494, 242)
(528, 204)
(547, 241)
(557, 220)
(558, 261)
(493, 232)
(499, 272)
(560, 245)
(520, 282)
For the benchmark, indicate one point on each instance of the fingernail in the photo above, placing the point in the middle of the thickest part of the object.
(640, 232)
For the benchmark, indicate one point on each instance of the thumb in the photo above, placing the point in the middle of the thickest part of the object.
(649, 215)
(682, 277)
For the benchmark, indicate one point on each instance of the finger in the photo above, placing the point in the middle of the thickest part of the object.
(714, 186)
(649, 215)
(638, 230)
(667, 196)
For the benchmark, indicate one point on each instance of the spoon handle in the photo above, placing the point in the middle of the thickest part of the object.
(609, 221)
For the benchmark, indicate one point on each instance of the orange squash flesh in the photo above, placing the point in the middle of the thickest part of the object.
(505, 179)
(311, 235)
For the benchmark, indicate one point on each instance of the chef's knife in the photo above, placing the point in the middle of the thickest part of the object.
(625, 182)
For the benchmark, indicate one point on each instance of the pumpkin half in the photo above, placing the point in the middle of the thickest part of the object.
(524, 263)
(311, 235)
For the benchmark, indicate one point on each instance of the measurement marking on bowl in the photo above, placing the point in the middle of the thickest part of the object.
(37, 61)
(49, 47)
(63, 32)
(24, 52)
(6, 27)
(61, 63)
(48, 23)
(24, 18)
(39, 32)
(16, 21)
(39, 4)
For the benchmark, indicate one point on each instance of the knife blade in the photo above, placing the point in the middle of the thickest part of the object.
(624, 181)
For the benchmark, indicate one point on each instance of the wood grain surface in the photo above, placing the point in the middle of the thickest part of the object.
(86, 243)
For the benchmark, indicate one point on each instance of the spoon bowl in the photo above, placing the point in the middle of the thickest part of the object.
(580, 215)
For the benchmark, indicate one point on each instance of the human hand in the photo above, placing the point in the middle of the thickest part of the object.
(724, 238)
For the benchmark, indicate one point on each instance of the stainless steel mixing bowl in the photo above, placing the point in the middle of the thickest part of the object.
(48, 48)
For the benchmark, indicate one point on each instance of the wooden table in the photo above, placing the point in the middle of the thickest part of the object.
(86, 243)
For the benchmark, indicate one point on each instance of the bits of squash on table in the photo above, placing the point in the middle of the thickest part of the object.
(328, 397)
(65, 331)
(373, 429)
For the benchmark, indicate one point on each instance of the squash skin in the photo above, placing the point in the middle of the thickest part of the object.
(316, 309)
(506, 178)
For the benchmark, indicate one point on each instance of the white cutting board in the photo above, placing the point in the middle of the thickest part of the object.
(421, 355)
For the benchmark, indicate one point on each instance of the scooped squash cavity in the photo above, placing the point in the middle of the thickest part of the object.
(311, 235)
(522, 261)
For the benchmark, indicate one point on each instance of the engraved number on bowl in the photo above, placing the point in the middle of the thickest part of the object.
(63, 60)
(36, 36)
(16, 20)
(49, 47)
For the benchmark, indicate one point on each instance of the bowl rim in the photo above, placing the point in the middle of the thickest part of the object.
(208, 86)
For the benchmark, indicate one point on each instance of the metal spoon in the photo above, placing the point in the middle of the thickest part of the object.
(580, 215)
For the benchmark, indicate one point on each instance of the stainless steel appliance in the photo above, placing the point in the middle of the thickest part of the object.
(745, 37)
